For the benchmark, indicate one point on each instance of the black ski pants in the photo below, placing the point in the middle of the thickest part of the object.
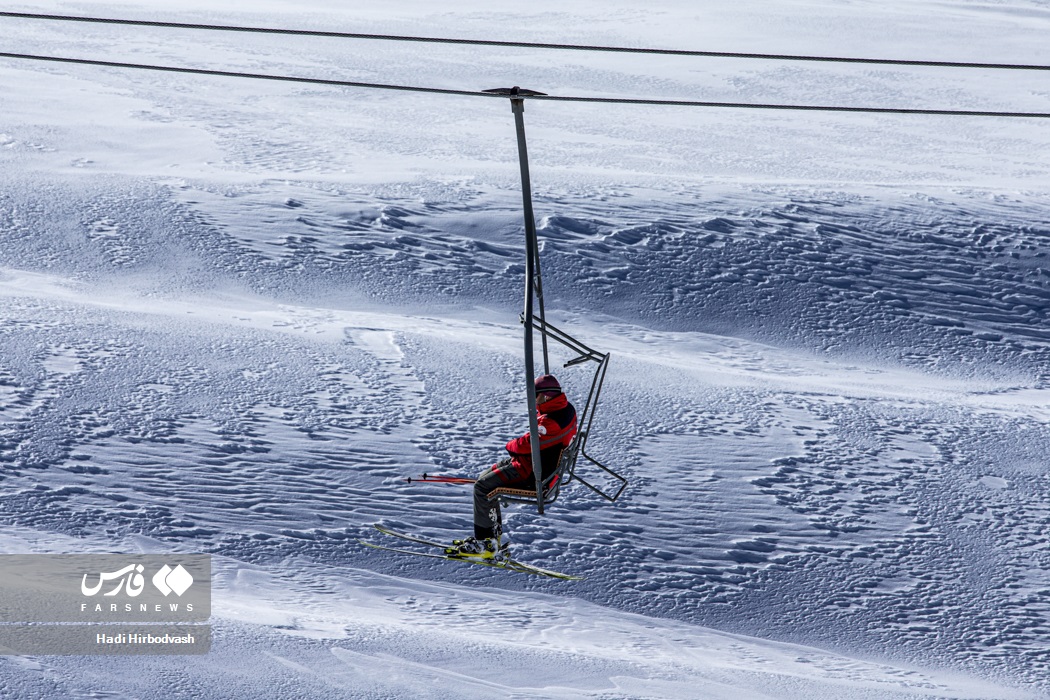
(488, 521)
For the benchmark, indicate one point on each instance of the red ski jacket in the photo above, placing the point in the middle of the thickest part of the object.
(557, 426)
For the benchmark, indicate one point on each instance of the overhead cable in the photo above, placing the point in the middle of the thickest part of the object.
(236, 74)
(551, 98)
(527, 45)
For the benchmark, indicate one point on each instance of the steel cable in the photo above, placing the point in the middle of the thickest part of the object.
(553, 98)
(526, 44)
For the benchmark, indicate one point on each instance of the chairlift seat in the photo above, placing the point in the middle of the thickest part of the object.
(551, 485)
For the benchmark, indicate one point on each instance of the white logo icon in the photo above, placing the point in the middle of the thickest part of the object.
(169, 580)
(131, 575)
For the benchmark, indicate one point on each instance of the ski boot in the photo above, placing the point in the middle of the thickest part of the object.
(474, 548)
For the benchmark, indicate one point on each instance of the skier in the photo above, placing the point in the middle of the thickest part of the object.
(557, 426)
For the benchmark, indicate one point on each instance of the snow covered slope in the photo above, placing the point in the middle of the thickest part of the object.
(237, 314)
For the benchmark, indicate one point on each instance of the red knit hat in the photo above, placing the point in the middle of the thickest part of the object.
(547, 384)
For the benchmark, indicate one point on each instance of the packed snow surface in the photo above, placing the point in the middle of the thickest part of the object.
(237, 314)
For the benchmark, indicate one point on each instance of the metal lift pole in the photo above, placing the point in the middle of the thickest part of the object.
(517, 106)
(539, 300)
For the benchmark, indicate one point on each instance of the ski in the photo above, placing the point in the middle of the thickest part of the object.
(530, 569)
(495, 564)
(508, 564)
(505, 563)
(410, 538)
